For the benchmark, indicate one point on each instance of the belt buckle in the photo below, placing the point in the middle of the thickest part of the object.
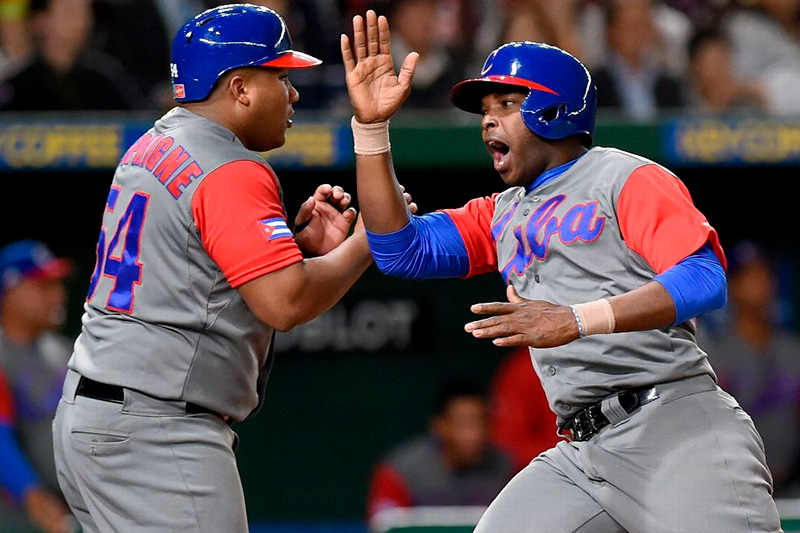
(632, 402)
(583, 425)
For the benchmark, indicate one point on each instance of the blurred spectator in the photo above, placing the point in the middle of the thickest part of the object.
(543, 21)
(766, 47)
(15, 41)
(634, 79)
(137, 33)
(415, 27)
(315, 27)
(33, 363)
(715, 89)
(453, 465)
(758, 361)
(673, 29)
(64, 74)
(521, 422)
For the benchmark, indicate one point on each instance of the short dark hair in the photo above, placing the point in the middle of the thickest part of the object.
(703, 36)
(38, 5)
(454, 388)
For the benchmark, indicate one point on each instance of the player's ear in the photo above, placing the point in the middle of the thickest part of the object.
(237, 88)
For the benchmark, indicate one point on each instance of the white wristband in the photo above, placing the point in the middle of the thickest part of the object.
(370, 139)
(596, 317)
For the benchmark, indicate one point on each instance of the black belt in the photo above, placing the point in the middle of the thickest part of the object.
(90, 388)
(589, 421)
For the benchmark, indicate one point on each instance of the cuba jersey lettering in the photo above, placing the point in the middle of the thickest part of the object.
(579, 222)
(578, 238)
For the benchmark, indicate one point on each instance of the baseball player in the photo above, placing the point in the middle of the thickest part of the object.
(607, 261)
(196, 268)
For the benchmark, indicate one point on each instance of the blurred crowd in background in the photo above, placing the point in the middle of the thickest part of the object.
(648, 57)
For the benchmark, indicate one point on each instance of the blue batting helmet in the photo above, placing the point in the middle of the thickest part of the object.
(562, 98)
(228, 37)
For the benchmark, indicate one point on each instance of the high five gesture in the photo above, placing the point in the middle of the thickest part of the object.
(376, 92)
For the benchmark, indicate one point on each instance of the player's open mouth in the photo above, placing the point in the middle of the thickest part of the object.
(499, 152)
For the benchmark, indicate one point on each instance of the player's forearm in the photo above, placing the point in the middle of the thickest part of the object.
(379, 194)
(647, 307)
(304, 290)
(330, 276)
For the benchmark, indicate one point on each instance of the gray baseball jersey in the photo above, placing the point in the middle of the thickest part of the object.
(191, 215)
(603, 227)
(691, 460)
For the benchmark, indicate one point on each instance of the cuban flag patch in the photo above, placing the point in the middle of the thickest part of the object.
(274, 228)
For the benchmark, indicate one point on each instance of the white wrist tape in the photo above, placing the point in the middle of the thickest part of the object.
(370, 139)
(595, 317)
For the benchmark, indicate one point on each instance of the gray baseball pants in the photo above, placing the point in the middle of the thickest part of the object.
(146, 466)
(690, 461)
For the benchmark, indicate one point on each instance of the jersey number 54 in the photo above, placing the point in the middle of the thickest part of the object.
(123, 268)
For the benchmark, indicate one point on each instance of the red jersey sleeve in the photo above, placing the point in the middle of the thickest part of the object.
(387, 490)
(238, 211)
(474, 223)
(7, 417)
(521, 421)
(658, 220)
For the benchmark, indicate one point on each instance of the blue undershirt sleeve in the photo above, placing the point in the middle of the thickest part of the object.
(16, 474)
(697, 284)
(429, 246)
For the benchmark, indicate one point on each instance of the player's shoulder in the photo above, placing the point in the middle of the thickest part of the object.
(614, 156)
(207, 141)
(616, 164)
(508, 197)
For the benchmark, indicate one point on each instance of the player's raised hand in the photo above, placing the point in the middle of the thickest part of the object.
(521, 322)
(376, 92)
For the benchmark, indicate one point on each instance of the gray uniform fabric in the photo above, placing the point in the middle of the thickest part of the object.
(589, 369)
(148, 465)
(191, 337)
(688, 461)
(691, 460)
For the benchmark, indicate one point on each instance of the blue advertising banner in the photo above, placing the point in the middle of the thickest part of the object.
(745, 141)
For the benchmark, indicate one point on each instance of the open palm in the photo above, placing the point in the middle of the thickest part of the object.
(376, 92)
